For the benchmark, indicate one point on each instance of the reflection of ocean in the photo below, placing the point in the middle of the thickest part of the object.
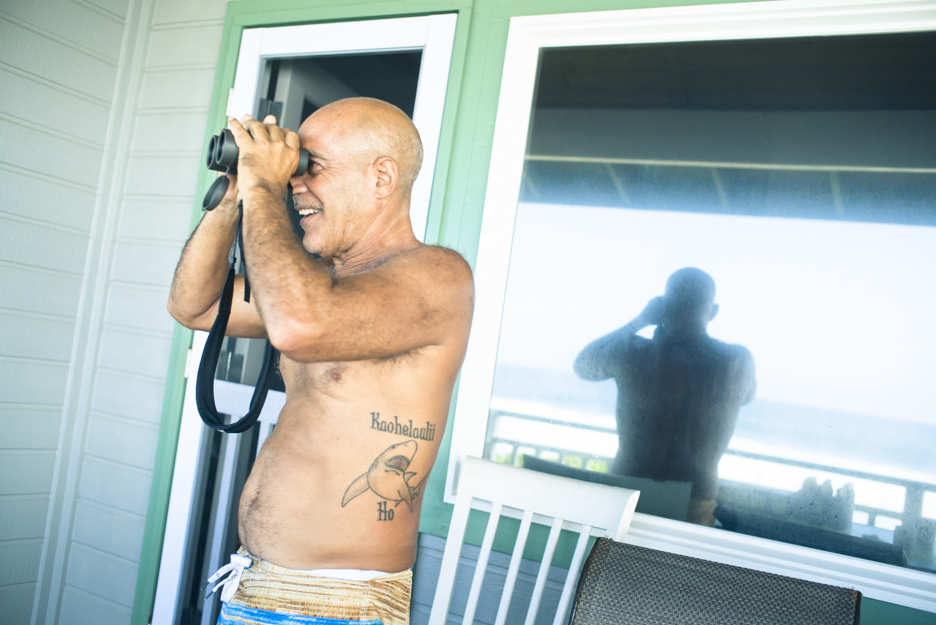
(858, 442)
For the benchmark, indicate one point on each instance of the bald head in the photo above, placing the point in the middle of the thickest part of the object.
(690, 287)
(372, 129)
(689, 299)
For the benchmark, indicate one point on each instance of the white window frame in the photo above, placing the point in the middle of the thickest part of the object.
(434, 35)
(753, 20)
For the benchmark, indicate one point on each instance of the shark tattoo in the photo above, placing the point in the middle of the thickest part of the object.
(388, 477)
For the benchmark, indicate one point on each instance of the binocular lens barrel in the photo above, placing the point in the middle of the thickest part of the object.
(222, 153)
(222, 156)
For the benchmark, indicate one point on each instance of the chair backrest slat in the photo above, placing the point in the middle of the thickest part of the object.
(514, 569)
(486, 544)
(543, 573)
(444, 587)
(568, 589)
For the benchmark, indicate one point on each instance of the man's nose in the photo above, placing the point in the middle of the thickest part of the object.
(298, 184)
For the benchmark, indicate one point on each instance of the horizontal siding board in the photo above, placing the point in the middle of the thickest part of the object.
(170, 132)
(82, 608)
(144, 263)
(33, 290)
(157, 220)
(26, 472)
(176, 89)
(106, 529)
(38, 245)
(138, 307)
(122, 440)
(87, 568)
(135, 353)
(36, 151)
(56, 62)
(42, 338)
(184, 46)
(118, 485)
(117, 8)
(163, 175)
(184, 11)
(46, 200)
(44, 105)
(24, 516)
(28, 427)
(20, 561)
(27, 382)
(121, 395)
(72, 22)
(16, 602)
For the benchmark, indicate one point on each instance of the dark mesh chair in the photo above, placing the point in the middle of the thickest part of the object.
(638, 586)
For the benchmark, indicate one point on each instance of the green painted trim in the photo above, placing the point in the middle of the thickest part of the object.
(158, 506)
(874, 612)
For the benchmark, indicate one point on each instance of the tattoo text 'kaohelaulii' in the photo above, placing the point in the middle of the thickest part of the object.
(395, 427)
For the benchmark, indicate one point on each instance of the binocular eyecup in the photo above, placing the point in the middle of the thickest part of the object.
(222, 156)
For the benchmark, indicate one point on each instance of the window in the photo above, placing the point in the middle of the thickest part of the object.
(798, 172)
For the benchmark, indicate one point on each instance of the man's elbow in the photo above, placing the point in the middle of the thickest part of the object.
(295, 339)
(585, 369)
(177, 313)
(184, 316)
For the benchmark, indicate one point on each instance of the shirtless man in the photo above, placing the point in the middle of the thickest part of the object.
(678, 394)
(371, 338)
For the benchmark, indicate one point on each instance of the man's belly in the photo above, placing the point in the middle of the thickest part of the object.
(338, 491)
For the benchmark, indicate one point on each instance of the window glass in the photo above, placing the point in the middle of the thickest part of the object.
(721, 286)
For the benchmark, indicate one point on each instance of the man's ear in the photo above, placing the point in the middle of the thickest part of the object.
(714, 311)
(387, 175)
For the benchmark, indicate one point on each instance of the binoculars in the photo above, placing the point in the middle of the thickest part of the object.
(222, 156)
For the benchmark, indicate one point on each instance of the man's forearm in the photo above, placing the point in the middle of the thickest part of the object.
(200, 274)
(594, 362)
(282, 273)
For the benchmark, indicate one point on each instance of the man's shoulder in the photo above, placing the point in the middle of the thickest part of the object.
(438, 280)
(732, 351)
(438, 253)
(436, 263)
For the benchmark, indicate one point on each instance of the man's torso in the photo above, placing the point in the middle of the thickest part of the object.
(677, 407)
(339, 482)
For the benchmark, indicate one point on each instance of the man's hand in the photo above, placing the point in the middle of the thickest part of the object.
(228, 203)
(652, 314)
(268, 155)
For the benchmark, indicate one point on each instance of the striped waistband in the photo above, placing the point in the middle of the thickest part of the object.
(275, 590)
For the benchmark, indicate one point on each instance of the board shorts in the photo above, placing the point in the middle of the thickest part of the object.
(260, 593)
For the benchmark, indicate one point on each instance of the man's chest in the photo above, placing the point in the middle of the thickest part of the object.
(384, 374)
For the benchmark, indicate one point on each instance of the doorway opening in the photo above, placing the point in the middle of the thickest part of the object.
(291, 89)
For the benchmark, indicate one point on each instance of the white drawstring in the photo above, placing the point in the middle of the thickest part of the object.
(234, 570)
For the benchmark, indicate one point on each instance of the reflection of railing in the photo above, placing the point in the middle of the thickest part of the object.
(914, 491)
(917, 530)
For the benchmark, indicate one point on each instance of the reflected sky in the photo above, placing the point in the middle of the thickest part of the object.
(838, 315)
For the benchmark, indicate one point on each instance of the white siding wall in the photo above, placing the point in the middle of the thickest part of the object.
(103, 109)
(58, 67)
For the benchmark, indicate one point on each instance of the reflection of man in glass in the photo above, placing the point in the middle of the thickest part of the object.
(678, 393)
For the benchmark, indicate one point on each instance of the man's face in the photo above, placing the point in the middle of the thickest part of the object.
(332, 196)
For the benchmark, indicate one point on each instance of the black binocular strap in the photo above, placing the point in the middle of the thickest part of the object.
(204, 384)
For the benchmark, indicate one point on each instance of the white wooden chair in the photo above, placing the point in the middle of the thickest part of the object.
(559, 502)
